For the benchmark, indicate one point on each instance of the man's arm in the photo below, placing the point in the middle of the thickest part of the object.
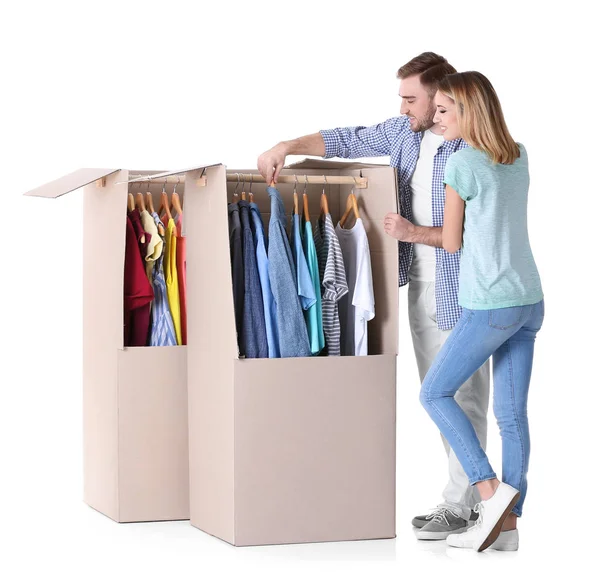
(400, 228)
(272, 161)
(351, 142)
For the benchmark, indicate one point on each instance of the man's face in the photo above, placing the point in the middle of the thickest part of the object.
(445, 116)
(416, 104)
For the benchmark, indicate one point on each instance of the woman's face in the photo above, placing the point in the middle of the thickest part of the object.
(445, 116)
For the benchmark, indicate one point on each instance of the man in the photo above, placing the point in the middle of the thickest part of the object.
(417, 150)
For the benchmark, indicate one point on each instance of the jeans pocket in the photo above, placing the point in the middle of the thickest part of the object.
(505, 318)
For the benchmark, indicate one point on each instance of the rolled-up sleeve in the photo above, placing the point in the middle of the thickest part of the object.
(362, 141)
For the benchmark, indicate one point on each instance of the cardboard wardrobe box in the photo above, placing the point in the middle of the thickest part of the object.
(135, 429)
(289, 450)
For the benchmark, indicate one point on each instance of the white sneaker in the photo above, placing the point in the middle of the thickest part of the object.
(492, 513)
(507, 540)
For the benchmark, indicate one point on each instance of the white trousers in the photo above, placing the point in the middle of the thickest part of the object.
(473, 396)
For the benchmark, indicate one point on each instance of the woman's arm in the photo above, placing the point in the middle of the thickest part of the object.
(454, 215)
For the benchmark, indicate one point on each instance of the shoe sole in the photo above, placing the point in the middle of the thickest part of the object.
(495, 532)
(439, 535)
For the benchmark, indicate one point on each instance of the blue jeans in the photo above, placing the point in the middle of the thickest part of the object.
(508, 335)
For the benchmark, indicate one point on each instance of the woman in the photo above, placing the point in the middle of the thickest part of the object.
(501, 298)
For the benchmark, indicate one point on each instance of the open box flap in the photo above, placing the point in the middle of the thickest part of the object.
(70, 182)
(142, 177)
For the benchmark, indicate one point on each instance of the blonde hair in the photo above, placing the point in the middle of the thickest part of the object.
(479, 114)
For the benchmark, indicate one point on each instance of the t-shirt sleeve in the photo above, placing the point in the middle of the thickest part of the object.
(460, 177)
(364, 298)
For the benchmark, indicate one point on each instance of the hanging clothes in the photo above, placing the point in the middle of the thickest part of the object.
(170, 269)
(314, 315)
(142, 236)
(237, 271)
(155, 245)
(254, 331)
(181, 277)
(138, 293)
(358, 307)
(293, 335)
(262, 261)
(305, 287)
(162, 328)
(333, 280)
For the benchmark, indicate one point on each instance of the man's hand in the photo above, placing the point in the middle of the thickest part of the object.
(398, 227)
(271, 162)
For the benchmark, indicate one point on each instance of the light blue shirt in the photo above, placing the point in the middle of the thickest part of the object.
(497, 268)
(291, 328)
(263, 272)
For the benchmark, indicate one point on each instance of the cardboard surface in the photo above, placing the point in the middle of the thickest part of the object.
(70, 182)
(134, 399)
(298, 449)
(314, 449)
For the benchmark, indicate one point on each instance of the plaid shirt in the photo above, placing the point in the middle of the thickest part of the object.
(395, 139)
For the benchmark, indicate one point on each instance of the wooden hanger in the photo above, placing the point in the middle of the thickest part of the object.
(305, 200)
(250, 194)
(324, 202)
(176, 202)
(149, 203)
(351, 206)
(236, 197)
(295, 202)
(243, 192)
(139, 202)
(130, 202)
(150, 208)
(164, 204)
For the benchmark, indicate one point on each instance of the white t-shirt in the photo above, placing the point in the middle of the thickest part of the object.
(358, 306)
(423, 262)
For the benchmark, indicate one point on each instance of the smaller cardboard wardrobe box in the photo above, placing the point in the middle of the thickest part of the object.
(135, 426)
(298, 449)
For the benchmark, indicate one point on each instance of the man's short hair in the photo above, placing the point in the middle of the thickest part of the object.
(431, 69)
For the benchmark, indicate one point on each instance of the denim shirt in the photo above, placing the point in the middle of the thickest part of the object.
(291, 327)
(253, 332)
(263, 273)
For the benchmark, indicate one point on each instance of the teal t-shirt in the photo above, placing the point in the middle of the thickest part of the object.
(314, 315)
(497, 268)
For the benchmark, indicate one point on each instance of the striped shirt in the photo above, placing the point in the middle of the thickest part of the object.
(395, 139)
(163, 330)
(333, 280)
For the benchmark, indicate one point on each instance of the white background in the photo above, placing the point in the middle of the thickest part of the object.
(173, 84)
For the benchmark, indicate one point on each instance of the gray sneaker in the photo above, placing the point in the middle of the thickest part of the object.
(443, 523)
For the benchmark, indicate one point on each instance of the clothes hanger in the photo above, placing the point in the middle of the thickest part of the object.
(149, 204)
(305, 201)
(324, 202)
(164, 203)
(130, 202)
(139, 202)
(351, 206)
(243, 185)
(150, 208)
(236, 197)
(250, 194)
(176, 202)
(295, 199)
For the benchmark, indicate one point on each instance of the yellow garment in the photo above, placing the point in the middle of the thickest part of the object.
(170, 267)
